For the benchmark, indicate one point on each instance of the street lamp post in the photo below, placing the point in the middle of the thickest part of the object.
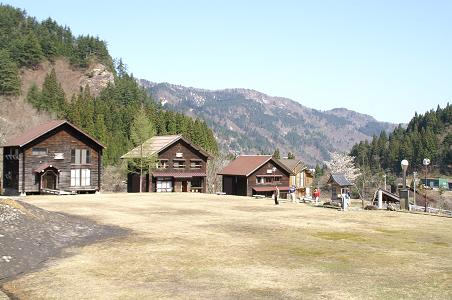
(384, 176)
(404, 192)
(414, 187)
(425, 162)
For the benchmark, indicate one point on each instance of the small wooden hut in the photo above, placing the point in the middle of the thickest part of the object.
(339, 185)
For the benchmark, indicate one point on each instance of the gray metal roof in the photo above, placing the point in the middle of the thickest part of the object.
(340, 179)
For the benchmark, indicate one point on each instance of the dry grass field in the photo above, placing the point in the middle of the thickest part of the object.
(194, 246)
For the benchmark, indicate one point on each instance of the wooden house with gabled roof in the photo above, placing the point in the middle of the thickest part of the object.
(53, 157)
(181, 166)
(301, 178)
(249, 175)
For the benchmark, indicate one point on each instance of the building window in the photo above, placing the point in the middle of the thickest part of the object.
(265, 179)
(80, 177)
(162, 164)
(164, 185)
(260, 180)
(39, 151)
(179, 164)
(196, 184)
(195, 164)
(80, 156)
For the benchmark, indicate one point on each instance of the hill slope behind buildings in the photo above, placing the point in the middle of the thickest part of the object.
(248, 121)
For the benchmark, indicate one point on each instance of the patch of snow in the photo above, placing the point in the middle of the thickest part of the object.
(197, 99)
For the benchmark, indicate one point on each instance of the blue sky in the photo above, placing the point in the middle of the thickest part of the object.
(383, 58)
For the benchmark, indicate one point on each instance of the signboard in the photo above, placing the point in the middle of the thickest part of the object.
(59, 156)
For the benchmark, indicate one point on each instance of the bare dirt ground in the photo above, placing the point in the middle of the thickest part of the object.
(195, 246)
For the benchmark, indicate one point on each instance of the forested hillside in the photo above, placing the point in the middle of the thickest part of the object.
(25, 43)
(427, 135)
(249, 122)
(109, 116)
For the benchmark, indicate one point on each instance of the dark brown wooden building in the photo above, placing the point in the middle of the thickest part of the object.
(181, 166)
(55, 156)
(249, 175)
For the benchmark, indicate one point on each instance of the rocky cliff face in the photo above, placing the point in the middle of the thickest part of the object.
(97, 77)
(248, 121)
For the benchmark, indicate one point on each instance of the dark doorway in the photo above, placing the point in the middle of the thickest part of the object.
(49, 180)
(235, 185)
(133, 183)
(184, 186)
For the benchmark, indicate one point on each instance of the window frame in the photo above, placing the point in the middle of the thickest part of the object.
(195, 163)
(36, 152)
(80, 177)
(80, 156)
(163, 163)
(181, 163)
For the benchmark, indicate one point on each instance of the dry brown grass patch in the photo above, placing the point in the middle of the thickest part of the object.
(220, 247)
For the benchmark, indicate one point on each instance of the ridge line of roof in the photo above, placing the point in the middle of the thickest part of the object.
(254, 155)
(23, 139)
(266, 161)
(172, 139)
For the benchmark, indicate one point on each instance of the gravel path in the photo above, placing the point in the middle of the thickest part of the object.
(30, 235)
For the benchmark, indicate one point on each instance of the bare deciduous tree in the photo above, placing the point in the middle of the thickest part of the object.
(215, 165)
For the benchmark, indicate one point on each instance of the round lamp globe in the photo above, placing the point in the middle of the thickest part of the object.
(404, 164)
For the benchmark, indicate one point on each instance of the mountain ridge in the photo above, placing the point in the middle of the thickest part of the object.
(248, 121)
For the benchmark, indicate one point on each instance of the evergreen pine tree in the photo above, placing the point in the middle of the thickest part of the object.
(26, 50)
(9, 78)
(100, 128)
(52, 97)
(33, 96)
